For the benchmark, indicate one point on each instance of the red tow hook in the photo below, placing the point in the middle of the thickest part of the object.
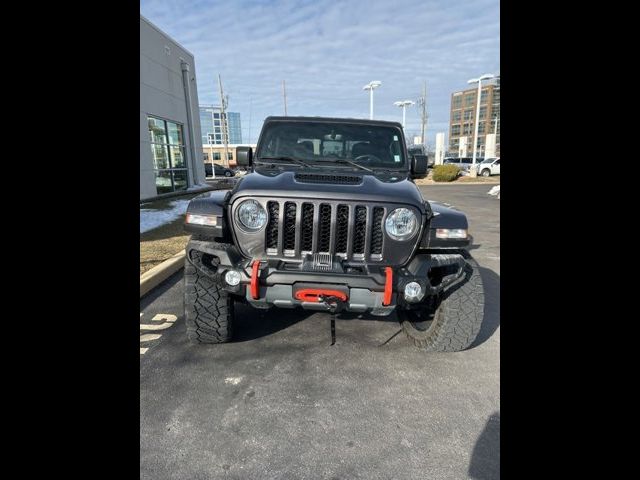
(388, 286)
(255, 271)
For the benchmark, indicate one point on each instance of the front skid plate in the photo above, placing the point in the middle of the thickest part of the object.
(360, 300)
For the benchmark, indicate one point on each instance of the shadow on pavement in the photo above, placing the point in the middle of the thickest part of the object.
(252, 323)
(491, 320)
(485, 459)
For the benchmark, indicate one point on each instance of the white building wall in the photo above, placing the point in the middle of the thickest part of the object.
(440, 148)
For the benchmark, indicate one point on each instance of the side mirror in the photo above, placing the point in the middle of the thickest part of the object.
(244, 156)
(419, 166)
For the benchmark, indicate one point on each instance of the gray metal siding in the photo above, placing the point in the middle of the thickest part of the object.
(162, 95)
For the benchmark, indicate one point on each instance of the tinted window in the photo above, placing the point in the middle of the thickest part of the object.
(318, 142)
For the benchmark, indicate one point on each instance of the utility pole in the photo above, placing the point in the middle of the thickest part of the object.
(223, 122)
(250, 102)
(284, 96)
(422, 102)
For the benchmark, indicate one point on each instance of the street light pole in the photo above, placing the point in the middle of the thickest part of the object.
(403, 104)
(486, 76)
(371, 86)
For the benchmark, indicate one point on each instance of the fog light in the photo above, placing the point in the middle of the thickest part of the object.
(413, 292)
(232, 277)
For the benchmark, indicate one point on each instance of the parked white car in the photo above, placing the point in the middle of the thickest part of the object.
(489, 166)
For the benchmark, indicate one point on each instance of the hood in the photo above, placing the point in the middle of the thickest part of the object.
(330, 184)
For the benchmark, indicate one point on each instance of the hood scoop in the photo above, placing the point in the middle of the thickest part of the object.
(328, 178)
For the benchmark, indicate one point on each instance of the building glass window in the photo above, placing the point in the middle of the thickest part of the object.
(167, 149)
(457, 101)
(457, 115)
(470, 100)
(484, 95)
(481, 128)
(483, 112)
(467, 129)
(468, 114)
(229, 155)
(455, 130)
(216, 156)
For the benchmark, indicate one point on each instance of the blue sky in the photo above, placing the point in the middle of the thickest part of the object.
(328, 50)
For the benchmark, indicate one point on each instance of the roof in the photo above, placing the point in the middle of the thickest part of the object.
(359, 121)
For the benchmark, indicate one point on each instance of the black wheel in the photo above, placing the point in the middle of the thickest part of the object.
(208, 309)
(451, 321)
(227, 173)
(486, 172)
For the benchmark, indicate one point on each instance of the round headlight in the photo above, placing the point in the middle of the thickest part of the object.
(251, 215)
(401, 224)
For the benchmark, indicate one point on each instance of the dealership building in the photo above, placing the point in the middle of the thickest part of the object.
(170, 136)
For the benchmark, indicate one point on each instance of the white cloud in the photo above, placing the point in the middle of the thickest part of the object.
(327, 50)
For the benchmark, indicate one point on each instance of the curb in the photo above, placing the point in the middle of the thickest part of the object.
(158, 274)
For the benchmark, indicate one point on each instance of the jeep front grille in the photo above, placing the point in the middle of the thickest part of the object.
(298, 228)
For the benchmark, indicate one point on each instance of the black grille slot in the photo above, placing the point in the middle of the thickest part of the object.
(272, 226)
(323, 178)
(376, 231)
(360, 229)
(289, 241)
(324, 228)
(342, 228)
(307, 227)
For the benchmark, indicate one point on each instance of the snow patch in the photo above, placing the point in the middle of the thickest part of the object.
(233, 380)
(494, 191)
(150, 219)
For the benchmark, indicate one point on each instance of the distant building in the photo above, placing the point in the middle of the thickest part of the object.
(463, 116)
(211, 123)
(215, 153)
(170, 139)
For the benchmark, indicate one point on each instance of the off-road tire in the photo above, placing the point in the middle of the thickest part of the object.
(486, 172)
(208, 309)
(457, 319)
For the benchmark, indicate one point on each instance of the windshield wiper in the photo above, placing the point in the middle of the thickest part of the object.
(344, 160)
(288, 159)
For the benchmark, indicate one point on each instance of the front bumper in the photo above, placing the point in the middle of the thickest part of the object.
(276, 281)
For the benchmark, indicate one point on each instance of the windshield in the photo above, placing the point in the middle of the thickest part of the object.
(326, 142)
(489, 160)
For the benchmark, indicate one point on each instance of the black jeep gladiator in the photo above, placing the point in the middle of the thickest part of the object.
(329, 219)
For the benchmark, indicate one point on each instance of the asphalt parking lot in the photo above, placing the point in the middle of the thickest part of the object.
(281, 403)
